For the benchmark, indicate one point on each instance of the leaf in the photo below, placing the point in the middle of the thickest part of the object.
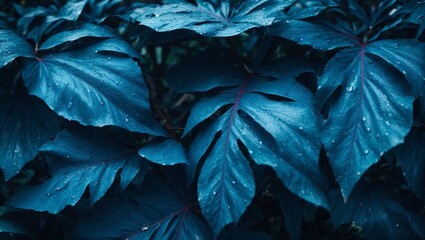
(78, 157)
(83, 31)
(292, 209)
(12, 46)
(416, 16)
(26, 124)
(411, 157)
(11, 227)
(258, 115)
(371, 115)
(373, 111)
(165, 152)
(225, 73)
(301, 9)
(417, 220)
(70, 11)
(155, 213)
(308, 33)
(375, 210)
(210, 18)
(93, 88)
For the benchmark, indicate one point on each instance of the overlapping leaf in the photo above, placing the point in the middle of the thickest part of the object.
(156, 213)
(78, 158)
(271, 115)
(12, 46)
(92, 85)
(411, 156)
(373, 111)
(210, 18)
(375, 210)
(26, 124)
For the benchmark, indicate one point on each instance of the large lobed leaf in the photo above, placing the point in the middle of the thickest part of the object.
(210, 18)
(79, 158)
(156, 213)
(271, 115)
(373, 110)
(97, 85)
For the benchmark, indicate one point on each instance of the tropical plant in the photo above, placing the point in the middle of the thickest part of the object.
(212, 119)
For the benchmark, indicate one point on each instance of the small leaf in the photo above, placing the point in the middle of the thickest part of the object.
(78, 158)
(85, 30)
(375, 210)
(26, 124)
(11, 227)
(13, 46)
(164, 152)
(411, 157)
(70, 11)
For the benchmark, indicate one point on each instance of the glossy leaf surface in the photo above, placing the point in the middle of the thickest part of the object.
(94, 88)
(93, 162)
(26, 124)
(156, 213)
(376, 211)
(210, 18)
(256, 119)
(12, 46)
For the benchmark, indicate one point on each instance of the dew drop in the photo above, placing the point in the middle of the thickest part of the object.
(366, 152)
(214, 193)
(69, 105)
(233, 182)
(145, 228)
(364, 119)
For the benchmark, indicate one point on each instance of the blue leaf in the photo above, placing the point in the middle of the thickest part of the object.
(156, 213)
(292, 209)
(223, 74)
(372, 113)
(411, 157)
(85, 30)
(70, 11)
(78, 158)
(417, 220)
(301, 9)
(164, 152)
(93, 88)
(252, 116)
(11, 227)
(375, 210)
(13, 46)
(26, 124)
(313, 34)
(210, 18)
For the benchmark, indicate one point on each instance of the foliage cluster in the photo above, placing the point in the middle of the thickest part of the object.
(212, 119)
